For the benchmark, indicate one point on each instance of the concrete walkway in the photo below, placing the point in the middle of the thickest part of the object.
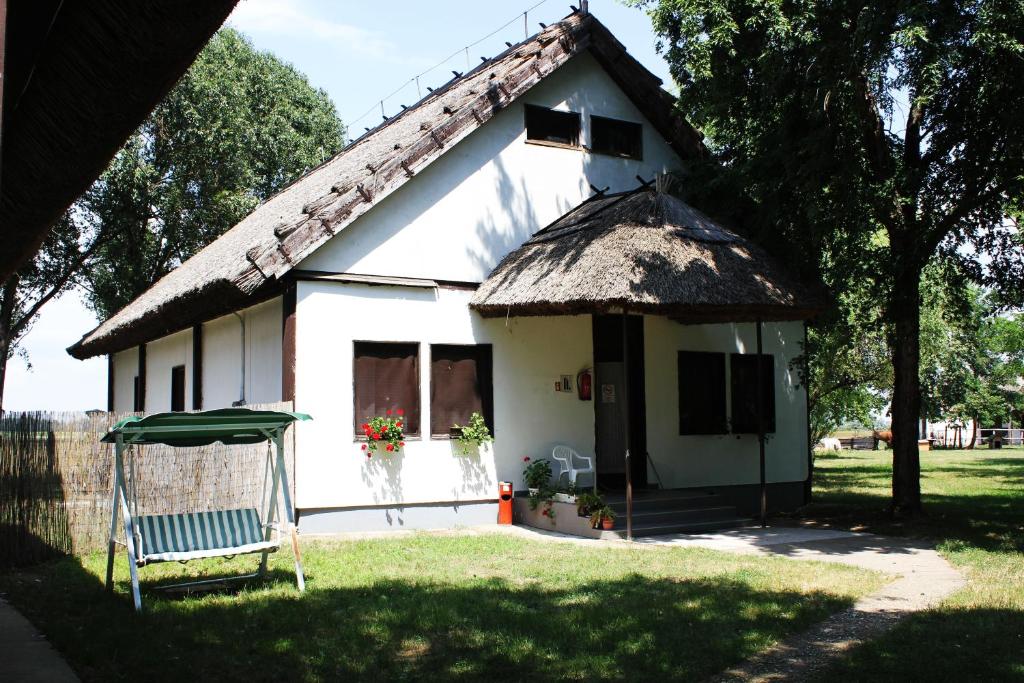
(924, 578)
(25, 655)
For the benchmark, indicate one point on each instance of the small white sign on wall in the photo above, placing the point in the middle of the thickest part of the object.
(607, 393)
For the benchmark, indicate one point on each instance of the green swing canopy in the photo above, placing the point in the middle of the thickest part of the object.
(228, 425)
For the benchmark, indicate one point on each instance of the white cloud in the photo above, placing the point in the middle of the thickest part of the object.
(290, 18)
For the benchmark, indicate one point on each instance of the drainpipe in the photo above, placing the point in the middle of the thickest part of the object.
(241, 389)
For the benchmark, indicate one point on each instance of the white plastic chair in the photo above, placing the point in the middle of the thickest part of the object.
(571, 463)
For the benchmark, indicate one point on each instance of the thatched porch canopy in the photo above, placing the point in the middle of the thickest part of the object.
(648, 252)
(78, 78)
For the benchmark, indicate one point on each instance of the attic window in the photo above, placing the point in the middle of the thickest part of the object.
(618, 138)
(553, 127)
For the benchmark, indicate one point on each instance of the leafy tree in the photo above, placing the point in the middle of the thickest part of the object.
(867, 137)
(68, 247)
(848, 376)
(239, 126)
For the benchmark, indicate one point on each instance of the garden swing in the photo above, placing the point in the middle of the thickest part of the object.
(185, 536)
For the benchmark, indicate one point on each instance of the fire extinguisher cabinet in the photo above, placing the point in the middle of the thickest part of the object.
(504, 502)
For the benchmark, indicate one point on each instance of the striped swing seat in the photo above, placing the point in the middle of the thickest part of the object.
(195, 535)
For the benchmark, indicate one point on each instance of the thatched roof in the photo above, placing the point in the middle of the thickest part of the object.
(78, 78)
(646, 251)
(248, 261)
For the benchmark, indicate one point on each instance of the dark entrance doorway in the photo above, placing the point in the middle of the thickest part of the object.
(610, 383)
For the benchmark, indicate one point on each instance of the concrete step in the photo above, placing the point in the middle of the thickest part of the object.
(680, 516)
(682, 528)
(668, 501)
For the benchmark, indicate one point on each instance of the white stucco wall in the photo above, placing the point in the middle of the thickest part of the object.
(162, 355)
(126, 367)
(221, 362)
(529, 416)
(222, 359)
(709, 460)
(484, 197)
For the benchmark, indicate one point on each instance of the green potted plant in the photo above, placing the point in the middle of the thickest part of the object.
(603, 517)
(537, 474)
(473, 435)
(587, 503)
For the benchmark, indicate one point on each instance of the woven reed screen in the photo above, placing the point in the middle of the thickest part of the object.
(56, 481)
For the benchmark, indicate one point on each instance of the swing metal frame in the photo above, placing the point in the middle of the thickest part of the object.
(231, 427)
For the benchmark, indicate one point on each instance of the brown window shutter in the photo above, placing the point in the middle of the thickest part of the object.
(702, 393)
(178, 389)
(743, 367)
(387, 378)
(460, 385)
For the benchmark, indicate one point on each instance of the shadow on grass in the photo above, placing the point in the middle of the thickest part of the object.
(978, 644)
(478, 629)
(967, 502)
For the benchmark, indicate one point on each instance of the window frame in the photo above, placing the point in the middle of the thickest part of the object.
(178, 370)
(486, 403)
(136, 394)
(721, 427)
(771, 408)
(639, 156)
(358, 420)
(577, 145)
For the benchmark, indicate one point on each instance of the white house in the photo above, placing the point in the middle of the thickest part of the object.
(358, 289)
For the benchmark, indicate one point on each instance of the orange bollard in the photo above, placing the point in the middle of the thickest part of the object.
(504, 502)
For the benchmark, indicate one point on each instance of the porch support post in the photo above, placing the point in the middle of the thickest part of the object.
(760, 426)
(626, 421)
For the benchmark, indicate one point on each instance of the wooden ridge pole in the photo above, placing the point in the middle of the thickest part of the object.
(626, 422)
(760, 426)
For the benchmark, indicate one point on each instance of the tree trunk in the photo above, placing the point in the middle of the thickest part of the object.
(3, 370)
(7, 295)
(904, 342)
(974, 434)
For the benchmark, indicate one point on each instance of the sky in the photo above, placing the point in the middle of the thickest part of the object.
(360, 53)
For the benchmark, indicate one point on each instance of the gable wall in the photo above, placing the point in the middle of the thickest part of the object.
(488, 194)
(126, 367)
(162, 355)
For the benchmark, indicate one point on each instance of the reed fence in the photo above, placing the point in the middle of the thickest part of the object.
(56, 481)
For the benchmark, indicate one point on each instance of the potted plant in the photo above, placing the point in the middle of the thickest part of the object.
(587, 503)
(386, 430)
(536, 473)
(473, 435)
(603, 517)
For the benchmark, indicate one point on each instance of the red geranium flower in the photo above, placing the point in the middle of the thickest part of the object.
(375, 436)
(369, 455)
(526, 458)
(388, 411)
(398, 424)
(400, 411)
(390, 447)
(401, 444)
(363, 447)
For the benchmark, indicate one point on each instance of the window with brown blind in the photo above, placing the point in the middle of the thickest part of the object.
(551, 125)
(387, 378)
(618, 138)
(743, 368)
(178, 388)
(702, 393)
(460, 385)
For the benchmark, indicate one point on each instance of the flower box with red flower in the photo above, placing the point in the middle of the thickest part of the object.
(384, 433)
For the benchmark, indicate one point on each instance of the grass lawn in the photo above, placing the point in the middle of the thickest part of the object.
(974, 502)
(488, 607)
